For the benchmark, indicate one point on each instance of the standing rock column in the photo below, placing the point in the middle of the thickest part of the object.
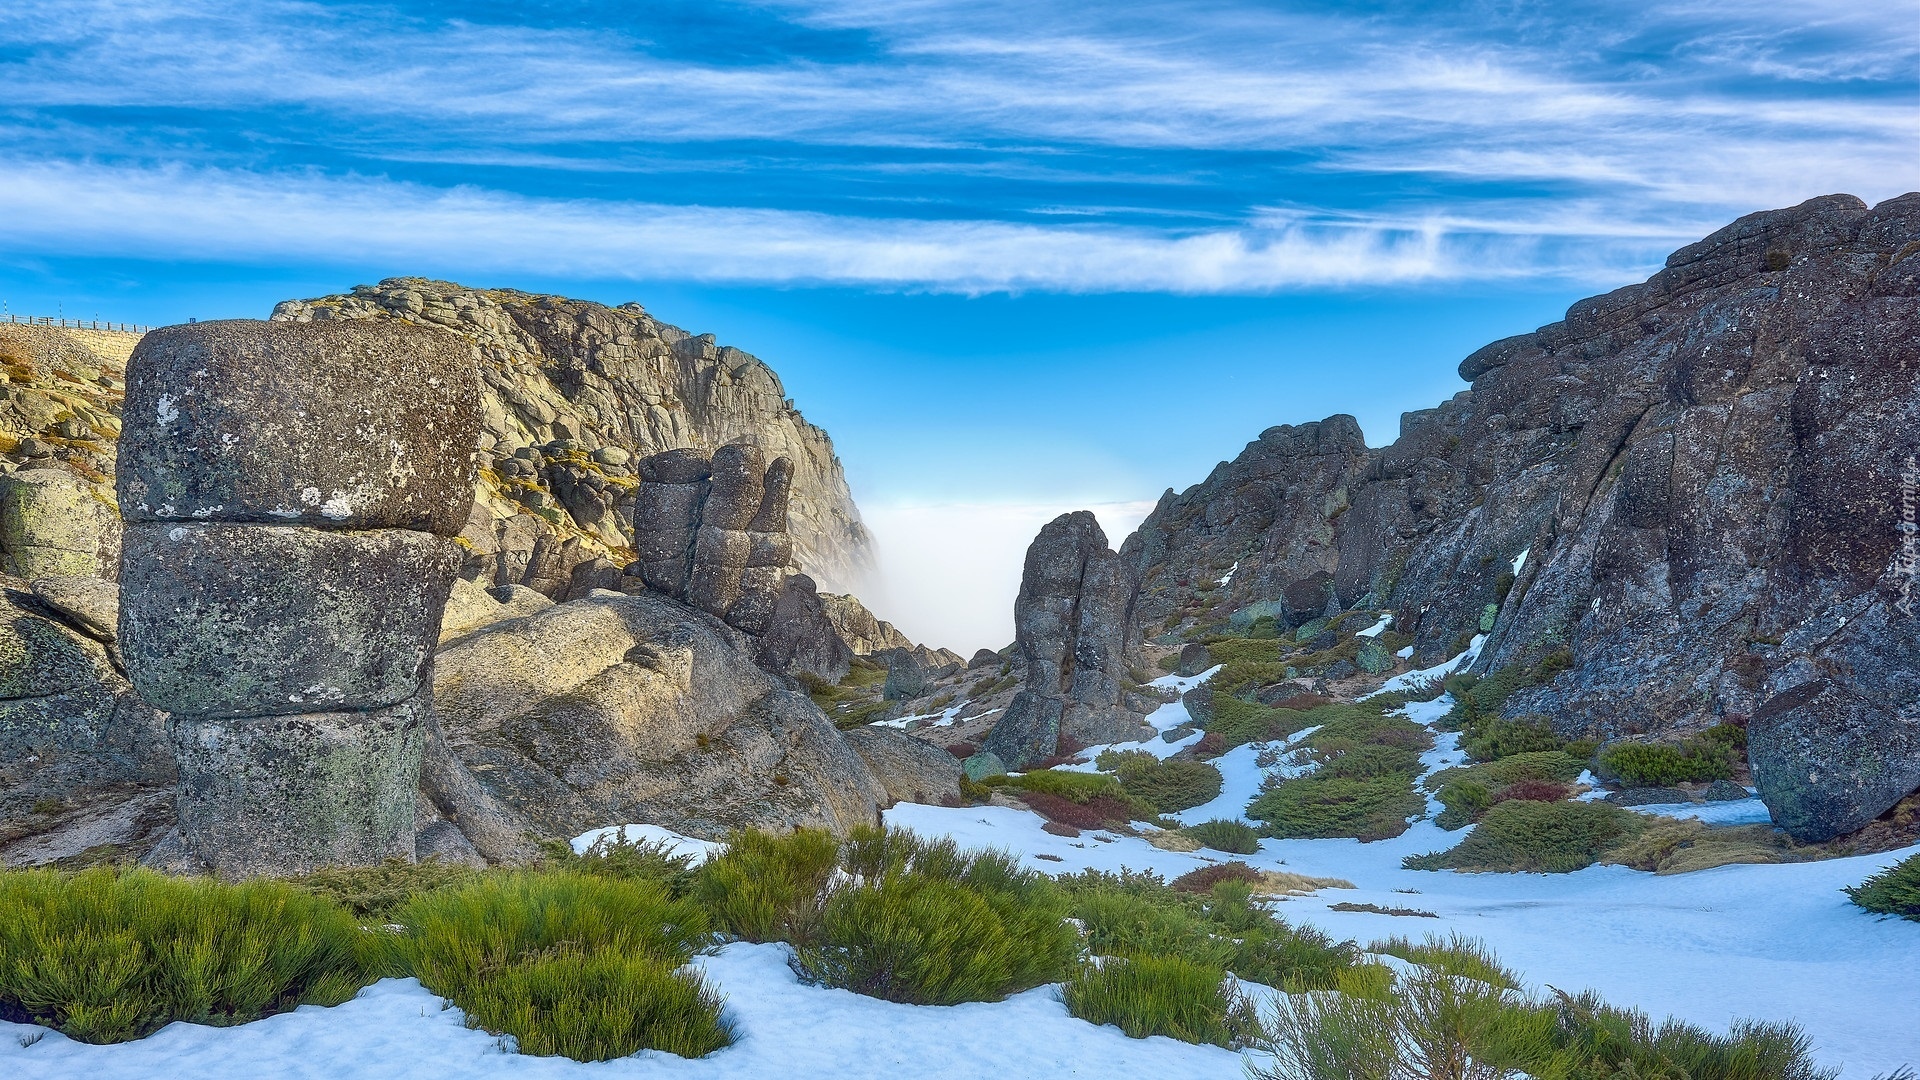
(1072, 624)
(290, 492)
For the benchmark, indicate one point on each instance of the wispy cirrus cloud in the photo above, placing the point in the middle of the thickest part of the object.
(945, 145)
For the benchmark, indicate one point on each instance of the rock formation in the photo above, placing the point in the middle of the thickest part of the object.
(290, 493)
(1700, 487)
(620, 708)
(1071, 623)
(573, 393)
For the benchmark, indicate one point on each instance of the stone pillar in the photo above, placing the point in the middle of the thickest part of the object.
(290, 492)
(713, 531)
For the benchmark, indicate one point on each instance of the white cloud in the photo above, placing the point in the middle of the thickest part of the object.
(187, 213)
(950, 571)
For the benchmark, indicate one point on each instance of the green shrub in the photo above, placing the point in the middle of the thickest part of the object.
(599, 1006)
(1222, 834)
(1239, 721)
(768, 887)
(1136, 915)
(1501, 738)
(1700, 758)
(1462, 1016)
(1893, 891)
(455, 937)
(637, 859)
(1455, 954)
(1162, 995)
(1320, 807)
(105, 956)
(1465, 801)
(1073, 786)
(1554, 838)
(926, 940)
(1169, 662)
(374, 893)
(1168, 786)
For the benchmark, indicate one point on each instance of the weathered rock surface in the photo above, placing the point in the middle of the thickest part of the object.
(575, 392)
(83, 764)
(332, 425)
(712, 532)
(56, 523)
(1071, 622)
(281, 795)
(639, 708)
(910, 769)
(1701, 486)
(800, 636)
(252, 620)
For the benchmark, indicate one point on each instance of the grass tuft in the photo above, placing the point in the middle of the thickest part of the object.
(1222, 834)
(768, 887)
(600, 1006)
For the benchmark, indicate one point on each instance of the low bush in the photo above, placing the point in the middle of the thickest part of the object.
(1168, 786)
(1456, 954)
(1467, 792)
(1099, 812)
(1501, 738)
(1237, 721)
(1204, 879)
(374, 893)
(1222, 834)
(1162, 995)
(1893, 891)
(1169, 662)
(1465, 801)
(599, 1006)
(768, 887)
(1532, 791)
(636, 859)
(104, 957)
(1374, 808)
(1518, 836)
(1461, 1016)
(1711, 755)
(1224, 928)
(1078, 787)
(926, 940)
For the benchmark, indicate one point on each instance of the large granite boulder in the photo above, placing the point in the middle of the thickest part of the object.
(358, 425)
(800, 636)
(639, 708)
(909, 769)
(293, 491)
(1072, 624)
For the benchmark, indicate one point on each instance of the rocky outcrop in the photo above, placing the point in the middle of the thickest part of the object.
(1699, 489)
(1071, 623)
(910, 769)
(574, 393)
(290, 492)
(640, 708)
(713, 532)
(863, 632)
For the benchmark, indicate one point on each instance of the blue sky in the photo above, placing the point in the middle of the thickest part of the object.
(1015, 257)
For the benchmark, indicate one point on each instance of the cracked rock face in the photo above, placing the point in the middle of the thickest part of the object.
(1701, 487)
(290, 637)
(1071, 623)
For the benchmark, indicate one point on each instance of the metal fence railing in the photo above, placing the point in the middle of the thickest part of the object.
(73, 324)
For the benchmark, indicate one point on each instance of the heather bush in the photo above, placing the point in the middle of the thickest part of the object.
(1711, 755)
(1167, 786)
(599, 1006)
(374, 893)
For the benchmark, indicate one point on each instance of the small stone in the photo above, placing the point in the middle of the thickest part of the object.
(982, 765)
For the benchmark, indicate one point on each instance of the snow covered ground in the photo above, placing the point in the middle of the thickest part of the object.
(1767, 942)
